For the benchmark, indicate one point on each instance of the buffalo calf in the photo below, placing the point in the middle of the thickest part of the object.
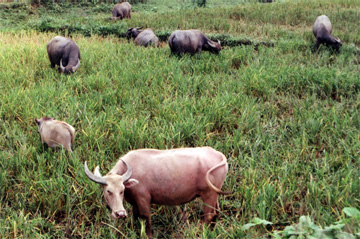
(56, 133)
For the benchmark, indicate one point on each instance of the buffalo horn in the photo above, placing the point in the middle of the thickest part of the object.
(211, 44)
(76, 67)
(338, 40)
(128, 172)
(62, 68)
(93, 177)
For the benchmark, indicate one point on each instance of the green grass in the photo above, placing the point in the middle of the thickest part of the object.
(287, 118)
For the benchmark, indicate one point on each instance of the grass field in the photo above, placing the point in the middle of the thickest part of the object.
(287, 117)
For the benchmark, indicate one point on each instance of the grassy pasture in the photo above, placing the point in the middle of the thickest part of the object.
(286, 117)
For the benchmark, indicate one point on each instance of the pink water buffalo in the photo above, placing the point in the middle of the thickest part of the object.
(164, 177)
(56, 133)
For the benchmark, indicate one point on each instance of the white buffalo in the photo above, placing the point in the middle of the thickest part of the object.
(165, 177)
(56, 133)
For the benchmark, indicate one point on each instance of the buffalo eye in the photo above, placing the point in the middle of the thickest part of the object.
(122, 192)
(109, 192)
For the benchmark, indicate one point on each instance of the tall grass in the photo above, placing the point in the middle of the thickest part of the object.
(286, 117)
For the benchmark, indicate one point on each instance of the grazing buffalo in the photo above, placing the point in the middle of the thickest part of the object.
(192, 41)
(56, 133)
(164, 177)
(64, 53)
(121, 10)
(143, 37)
(322, 31)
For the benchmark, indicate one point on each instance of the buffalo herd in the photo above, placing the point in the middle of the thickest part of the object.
(66, 54)
(145, 176)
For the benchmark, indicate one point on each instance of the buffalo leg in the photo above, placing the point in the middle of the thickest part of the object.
(211, 204)
(145, 213)
(68, 148)
(135, 213)
(317, 45)
(183, 214)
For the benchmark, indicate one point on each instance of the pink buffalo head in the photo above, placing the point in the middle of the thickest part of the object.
(114, 186)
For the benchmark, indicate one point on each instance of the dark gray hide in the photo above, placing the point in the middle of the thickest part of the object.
(121, 10)
(143, 38)
(322, 31)
(192, 41)
(65, 53)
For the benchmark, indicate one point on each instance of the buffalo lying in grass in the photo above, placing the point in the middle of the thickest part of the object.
(143, 37)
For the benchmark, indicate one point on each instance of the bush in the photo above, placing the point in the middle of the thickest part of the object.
(200, 3)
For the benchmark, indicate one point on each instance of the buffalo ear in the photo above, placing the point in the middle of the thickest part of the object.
(131, 183)
(139, 28)
(97, 172)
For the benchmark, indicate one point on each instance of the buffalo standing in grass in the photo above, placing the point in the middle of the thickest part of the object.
(64, 53)
(56, 133)
(143, 37)
(192, 41)
(121, 10)
(322, 31)
(164, 177)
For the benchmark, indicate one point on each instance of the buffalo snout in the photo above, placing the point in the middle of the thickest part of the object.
(119, 214)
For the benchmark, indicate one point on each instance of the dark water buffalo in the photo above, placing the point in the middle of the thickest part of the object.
(192, 41)
(165, 177)
(121, 10)
(322, 31)
(64, 53)
(143, 37)
(56, 133)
